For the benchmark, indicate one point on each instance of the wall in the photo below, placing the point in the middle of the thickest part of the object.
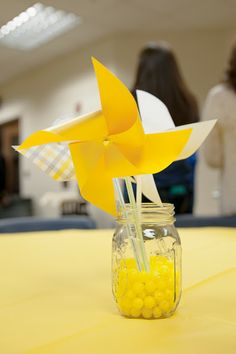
(48, 93)
(53, 90)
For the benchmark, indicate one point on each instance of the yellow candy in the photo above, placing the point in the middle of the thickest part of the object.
(125, 312)
(121, 288)
(142, 276)
(130, 263)
(161, 260)
(132, 275)
(122, 273)
(165, 305)
(149, 302)
(134, 312)
(161, 284)
(126, 301)
(157, 312)
(150, 286)
(159, 296)
(170, 282)
(137, 303)
(138, 288)
(125, 308)
(170, 265)
(164, 270)
(146, 294)
(153, 262)
(130, 294)
(155, 274)
(169, 295)
(142, 294)
(147, 313)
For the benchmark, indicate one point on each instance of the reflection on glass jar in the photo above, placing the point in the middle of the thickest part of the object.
(151, 291)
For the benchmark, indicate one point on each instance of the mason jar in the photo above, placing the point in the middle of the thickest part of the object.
(146, 262)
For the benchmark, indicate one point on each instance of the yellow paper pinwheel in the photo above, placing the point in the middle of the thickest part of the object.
(103, 145)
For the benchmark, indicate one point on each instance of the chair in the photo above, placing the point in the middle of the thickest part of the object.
(30, 224)
(17, 207)
(74, 207)
(205, 221)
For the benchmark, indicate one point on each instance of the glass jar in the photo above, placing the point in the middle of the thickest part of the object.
(146, 262)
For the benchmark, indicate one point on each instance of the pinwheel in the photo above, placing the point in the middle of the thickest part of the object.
(109, 143)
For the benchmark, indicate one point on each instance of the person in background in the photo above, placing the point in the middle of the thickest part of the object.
(159, 74)
(2, 178)
(220, 147)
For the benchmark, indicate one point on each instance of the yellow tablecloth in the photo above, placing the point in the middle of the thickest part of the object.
(55, 297)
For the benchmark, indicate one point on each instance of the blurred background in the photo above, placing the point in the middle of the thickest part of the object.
(46, 75)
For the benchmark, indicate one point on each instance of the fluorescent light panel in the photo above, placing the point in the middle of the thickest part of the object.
(36, 25)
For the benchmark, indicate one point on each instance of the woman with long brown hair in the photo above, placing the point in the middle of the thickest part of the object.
(220, 147)
(158, 73)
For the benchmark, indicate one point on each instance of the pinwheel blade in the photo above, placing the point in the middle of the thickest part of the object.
(200, 132)
(118, 104)
(155, 115)
(161, 149)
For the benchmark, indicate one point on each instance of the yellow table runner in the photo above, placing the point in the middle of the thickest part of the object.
(55, 297)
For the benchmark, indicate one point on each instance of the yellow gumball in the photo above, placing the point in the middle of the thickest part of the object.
(146, 313)
(134, 312)
(138, 288)
(124, 307)
(161, 260)
(137, 303)
(164, 270)
(130, 294)
(169, 295)
(149, 302)
(150, 286)
(157, 312)
(132, 275)
(161, 284)
(159, 296)
(165, 306)
(130, 263)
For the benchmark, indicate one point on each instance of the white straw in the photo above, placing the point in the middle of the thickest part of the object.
(128, 228)
(137, 225)
(138, 192)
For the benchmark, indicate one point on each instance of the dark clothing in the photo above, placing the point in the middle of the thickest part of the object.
(2, 175)
(175, 184)
(178, 173)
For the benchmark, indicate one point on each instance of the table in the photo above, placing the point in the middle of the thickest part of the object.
(55, 297)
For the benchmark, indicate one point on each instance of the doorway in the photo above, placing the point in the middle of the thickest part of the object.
(9, 135)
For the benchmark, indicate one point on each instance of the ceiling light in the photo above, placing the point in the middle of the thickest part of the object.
(35, 26)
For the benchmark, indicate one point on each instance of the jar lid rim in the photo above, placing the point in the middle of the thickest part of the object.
(145, 206)
(147, 211)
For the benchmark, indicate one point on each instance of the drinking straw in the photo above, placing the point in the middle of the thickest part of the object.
(160, 242)
(128, 227)
(138, 192)
(152, 187)
(137, 225)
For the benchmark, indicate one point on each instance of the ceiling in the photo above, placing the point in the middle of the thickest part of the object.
(103, 18)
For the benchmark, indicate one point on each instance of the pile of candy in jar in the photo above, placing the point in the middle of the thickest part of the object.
(150, 294)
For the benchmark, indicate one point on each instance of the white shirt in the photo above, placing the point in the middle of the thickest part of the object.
(220, 146)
